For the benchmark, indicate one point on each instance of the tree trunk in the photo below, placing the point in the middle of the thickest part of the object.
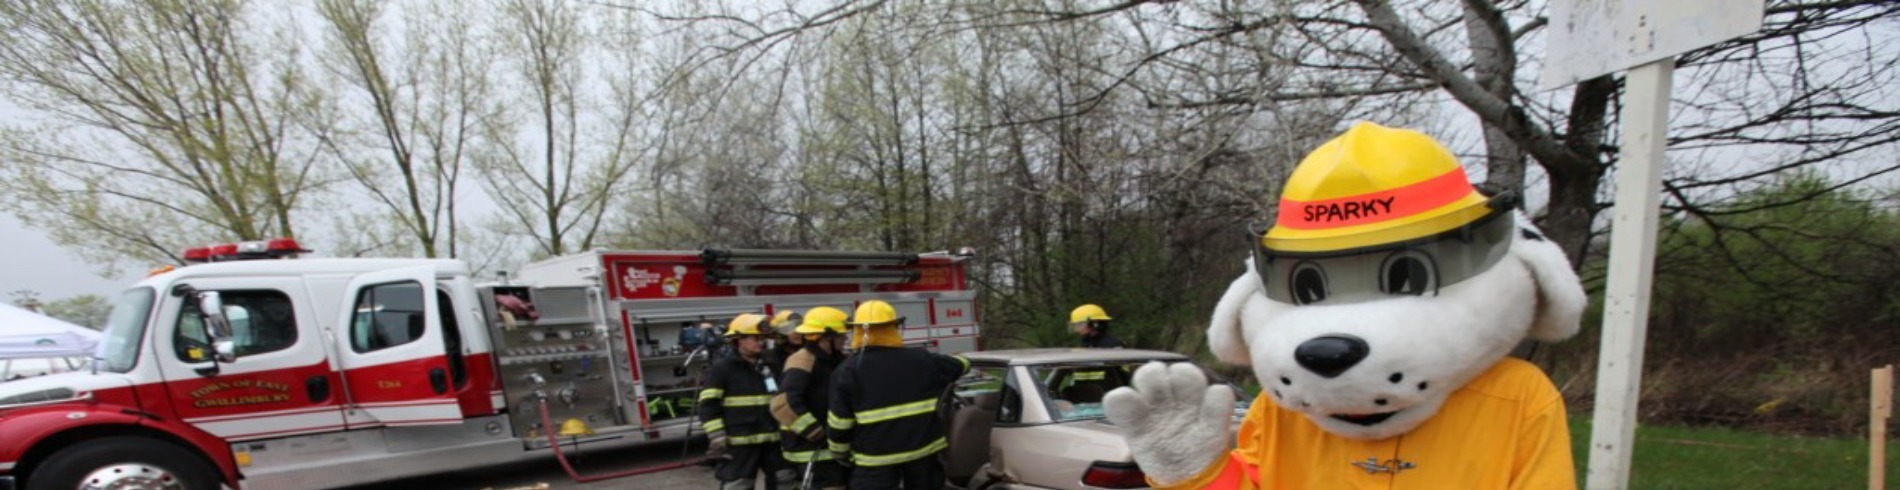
(1494, 64)
(1573, 185)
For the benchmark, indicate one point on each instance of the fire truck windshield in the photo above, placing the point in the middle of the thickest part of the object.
(119, 350)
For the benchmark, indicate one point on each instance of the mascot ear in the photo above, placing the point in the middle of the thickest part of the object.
(1560, 297)
(1225, 334)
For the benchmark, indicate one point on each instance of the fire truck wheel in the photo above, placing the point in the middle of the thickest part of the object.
(124, 462)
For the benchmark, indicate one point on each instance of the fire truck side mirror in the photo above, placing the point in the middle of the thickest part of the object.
(217, 325)
(226, 350)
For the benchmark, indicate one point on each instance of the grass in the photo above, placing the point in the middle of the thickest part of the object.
(1697, 458)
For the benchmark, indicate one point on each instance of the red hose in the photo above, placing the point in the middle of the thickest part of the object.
(555, 444)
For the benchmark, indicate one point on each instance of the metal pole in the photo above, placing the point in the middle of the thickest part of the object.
(1632, 263)
(1881, 409)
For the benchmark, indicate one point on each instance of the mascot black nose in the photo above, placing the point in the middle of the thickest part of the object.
(1330, 355)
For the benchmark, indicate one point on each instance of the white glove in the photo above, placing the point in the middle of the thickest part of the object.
(1176, 425)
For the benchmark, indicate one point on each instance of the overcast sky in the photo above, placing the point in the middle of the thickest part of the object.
(31, 261)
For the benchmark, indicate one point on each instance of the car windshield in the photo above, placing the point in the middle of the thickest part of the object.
(1075, 390)
(119, 349)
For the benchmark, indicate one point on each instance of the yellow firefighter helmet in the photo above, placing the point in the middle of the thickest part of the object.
(875, 313)
(1086, 313)
(1369, 187)
(746, 324)
(823, 319)
(785, 321)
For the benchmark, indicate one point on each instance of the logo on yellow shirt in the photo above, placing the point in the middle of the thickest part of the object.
(1373, 466)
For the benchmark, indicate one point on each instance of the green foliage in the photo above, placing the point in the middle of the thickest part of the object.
(1767, 310)
(1690, 458)
(87, 310)
(1797, 261)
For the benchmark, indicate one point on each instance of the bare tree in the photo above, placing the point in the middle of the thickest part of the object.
(925, 126)
(719, 171)
(160, 123)
(554, 162)
(426, 96)
(25, 298)
(1374, 48)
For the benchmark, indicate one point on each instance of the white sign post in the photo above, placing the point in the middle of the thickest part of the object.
(1591, 38)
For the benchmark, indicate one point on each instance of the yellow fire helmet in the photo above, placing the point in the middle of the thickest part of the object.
(823, 319)
(875, 313)
(785, 321)
(746, 324)
(1087, 312)
(1370, 187)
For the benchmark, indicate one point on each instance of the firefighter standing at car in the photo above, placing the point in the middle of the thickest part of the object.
(732, 408)
(1091, 323)
(807, 385)
(884, 405)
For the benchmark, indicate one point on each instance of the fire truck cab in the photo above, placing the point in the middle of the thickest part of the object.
(317, 373)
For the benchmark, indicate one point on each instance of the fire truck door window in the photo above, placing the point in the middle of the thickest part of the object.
(451, 338)
(261, 321)
(387, 315)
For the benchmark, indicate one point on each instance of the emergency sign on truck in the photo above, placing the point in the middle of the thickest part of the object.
(318, 373)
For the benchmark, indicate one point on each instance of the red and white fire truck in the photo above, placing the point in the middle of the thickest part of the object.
(317, 373)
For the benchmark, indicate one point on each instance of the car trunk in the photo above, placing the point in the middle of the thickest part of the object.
(1055, 455)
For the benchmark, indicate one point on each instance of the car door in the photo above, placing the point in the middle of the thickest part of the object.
(281, 382)
(390, 344)
(975, 408)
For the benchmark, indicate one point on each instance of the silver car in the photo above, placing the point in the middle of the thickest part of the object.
(1032, 418)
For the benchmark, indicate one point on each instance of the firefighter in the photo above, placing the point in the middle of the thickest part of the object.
(785, 342)
(807, 385)
(884, 405)
(1091, 323)
(732, 408)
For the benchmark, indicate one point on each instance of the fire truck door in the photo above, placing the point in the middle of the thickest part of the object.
(395, 369)
(280, 384)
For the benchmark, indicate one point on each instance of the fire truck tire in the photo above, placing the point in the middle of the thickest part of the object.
(124, 462)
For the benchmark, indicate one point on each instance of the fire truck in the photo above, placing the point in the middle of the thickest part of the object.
(326, 372)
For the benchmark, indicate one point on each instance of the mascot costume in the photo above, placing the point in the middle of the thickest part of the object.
(1377, 314)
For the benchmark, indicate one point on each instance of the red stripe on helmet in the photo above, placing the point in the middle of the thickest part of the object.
(1374, 207)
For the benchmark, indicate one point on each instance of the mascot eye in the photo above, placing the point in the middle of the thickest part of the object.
(1408, 272)
(1309, 284)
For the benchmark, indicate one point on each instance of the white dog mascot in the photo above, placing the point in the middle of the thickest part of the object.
(1377, 313)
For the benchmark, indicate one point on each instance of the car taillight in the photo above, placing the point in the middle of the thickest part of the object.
(1103, 474)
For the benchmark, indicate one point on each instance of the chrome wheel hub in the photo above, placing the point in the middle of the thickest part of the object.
(131, 476)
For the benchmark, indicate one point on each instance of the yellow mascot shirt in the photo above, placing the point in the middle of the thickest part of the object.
(1504, 430)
